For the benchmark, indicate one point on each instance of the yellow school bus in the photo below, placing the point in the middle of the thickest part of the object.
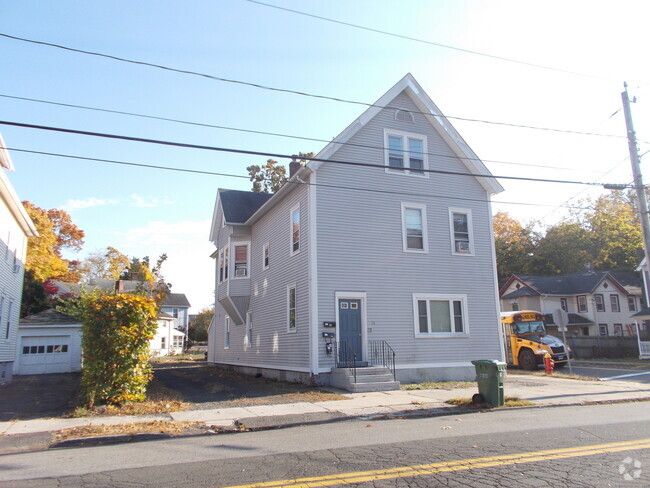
(526, 340)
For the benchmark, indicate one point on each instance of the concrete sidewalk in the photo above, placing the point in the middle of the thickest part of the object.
(541, 390)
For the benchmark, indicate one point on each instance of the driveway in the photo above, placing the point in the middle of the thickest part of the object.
(199, 385)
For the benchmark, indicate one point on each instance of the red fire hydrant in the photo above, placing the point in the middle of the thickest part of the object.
(548, 363)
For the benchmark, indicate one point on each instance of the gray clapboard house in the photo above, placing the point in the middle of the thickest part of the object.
(351, 265)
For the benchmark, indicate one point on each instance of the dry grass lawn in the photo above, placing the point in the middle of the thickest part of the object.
(155, 427)
(509, 401)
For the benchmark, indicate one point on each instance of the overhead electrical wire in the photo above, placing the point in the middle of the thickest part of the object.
(275, 155)
(431, 43)
(274, 134)
(228, 175)
(296, 92)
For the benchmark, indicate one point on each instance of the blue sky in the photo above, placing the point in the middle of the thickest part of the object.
(146, 212)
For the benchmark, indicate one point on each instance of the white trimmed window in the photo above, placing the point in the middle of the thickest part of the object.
(265, 256)
(600, 303)
(440, 315)
(226, 333)
(177, 341)
(291, 308)
(295, 230)
(241, 260)
(414, 228)
(616, 307)
(406, 153)
(564, 305)
(221, 266)
(462, 239)
(581, 300)
(226, 261)
(163, 343)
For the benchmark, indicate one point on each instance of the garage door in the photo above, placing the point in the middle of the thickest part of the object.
(48, 354)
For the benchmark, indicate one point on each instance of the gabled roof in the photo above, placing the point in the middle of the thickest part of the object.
(238, 206)
(176, 300)
(432, 113)
(580, 283)
(48, 317)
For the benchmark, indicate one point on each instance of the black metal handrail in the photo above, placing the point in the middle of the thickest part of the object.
(346, 357)
(381, 354)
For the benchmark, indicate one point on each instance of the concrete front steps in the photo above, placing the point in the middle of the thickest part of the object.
(373, 378)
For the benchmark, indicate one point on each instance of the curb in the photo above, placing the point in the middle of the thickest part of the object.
(41, 441)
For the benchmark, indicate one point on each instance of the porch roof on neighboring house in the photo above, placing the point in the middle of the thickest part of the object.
(643, 314)
(48, 317)
(176, 300)
(580, 283)
(165, 315)
(574, 319)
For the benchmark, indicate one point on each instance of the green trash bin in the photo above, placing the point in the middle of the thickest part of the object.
(490, 375)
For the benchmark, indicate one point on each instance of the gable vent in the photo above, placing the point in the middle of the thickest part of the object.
(403, 116)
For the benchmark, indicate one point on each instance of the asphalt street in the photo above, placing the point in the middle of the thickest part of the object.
(586, 446)
(638, 375)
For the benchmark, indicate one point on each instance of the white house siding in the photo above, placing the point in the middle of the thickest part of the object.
(12, 242)
(273, 347)
(360, 250)
(167, 331)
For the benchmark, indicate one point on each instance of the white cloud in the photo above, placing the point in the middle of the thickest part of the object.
(139, 201)
(189, 267)
(88, 203)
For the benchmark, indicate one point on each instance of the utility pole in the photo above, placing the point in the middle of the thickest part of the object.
(636, 172)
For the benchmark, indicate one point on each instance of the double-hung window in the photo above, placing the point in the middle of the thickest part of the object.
(241, 260)
(600, 303)
(631, 304)
(405, 153)
(295, 230)
(440, 315)
(291, 308)
(564, 305)
(462, 240)
(582, 303)
(414, 228)
(616, 307)
(221, 266)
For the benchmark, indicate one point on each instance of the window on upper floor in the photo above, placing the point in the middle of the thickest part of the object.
(221, 266)
(295, 230)
(241, 260)
(564, 305)
(405, 153)
(581, 301)
(462, 239)
(414, 228)
(8, 318)
(631, 304)
(600, 303)
(265, 256)
(439, 315)
(226, 262)
(616, 307)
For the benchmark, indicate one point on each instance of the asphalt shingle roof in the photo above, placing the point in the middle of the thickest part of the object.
(582, 282)
(176, 300)
(238, 206)
(48, 317)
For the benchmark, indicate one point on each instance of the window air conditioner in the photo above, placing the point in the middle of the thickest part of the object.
(239, 273)
(16, 268)
(462, 246)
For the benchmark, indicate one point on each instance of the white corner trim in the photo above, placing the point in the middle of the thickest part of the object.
(313, 275)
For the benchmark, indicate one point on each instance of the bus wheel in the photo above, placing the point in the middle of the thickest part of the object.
(527, 360)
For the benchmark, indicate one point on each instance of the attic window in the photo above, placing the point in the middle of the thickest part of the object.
(605, 285)
(404, 116)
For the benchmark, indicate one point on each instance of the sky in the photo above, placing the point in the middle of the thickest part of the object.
(551, 65)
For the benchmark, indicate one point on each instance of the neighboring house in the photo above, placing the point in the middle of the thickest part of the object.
(168, 340)
(597, 302)
(353, 258)
(15, 228)
(177, 305)
(48, 342)
(171, 335)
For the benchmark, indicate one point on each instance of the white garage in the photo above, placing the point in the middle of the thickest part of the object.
(48, 342)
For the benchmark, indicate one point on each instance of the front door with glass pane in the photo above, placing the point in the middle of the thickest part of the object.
(350, 330)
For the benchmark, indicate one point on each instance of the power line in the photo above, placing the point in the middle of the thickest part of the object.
(296, 92)
(274, 134)
(276, 155)
(431, 43)
(229, 175)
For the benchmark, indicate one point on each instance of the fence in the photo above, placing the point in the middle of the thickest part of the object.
(611, 347)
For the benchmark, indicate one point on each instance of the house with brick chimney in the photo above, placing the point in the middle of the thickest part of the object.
(373, 264)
